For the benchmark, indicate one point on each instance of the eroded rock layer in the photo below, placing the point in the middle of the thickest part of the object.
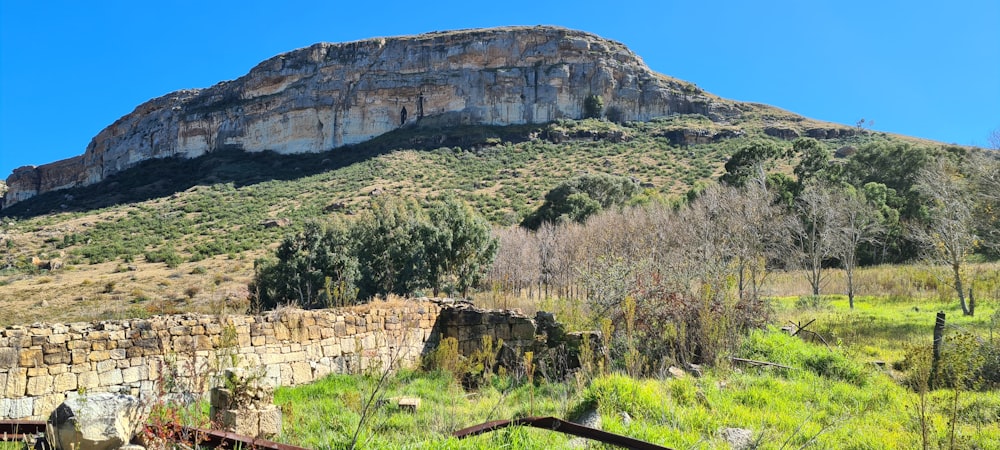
(329, 95)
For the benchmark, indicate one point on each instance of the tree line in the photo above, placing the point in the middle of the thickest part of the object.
(885, 202)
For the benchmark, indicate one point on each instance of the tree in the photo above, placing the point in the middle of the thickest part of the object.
(578, 198)
(814, 159)
(751, 160)
(593, 106)
(315, 268)
(812, 233)
(391, 254)
(395, 247)
(894, 165)
(856, 222)
(462, 247)
(949, 230)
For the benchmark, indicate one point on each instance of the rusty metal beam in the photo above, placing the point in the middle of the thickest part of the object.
(18, 430)
(224, 439)
(562, 426)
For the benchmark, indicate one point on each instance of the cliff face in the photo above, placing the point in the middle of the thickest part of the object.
(329, 95)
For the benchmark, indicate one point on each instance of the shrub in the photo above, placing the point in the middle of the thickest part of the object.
(593, 105)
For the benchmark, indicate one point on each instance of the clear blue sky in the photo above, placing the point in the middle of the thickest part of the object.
(923, 68)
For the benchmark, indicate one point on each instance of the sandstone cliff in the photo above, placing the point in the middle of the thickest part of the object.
(329, 95)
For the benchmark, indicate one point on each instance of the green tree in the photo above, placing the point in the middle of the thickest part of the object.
(752, 160)
(581, 197)
(593, 107)
(461, 246)
(814, 160)
(314, 268)
(391, 252)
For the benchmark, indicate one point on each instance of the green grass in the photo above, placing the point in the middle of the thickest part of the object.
(325, 414)
(830, 397)
(883, 328)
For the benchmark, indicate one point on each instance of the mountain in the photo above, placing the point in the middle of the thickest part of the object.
(329, 95)
(170, 206)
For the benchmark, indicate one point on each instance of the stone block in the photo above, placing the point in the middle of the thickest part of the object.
(78, 356)
(117, 354)
(39, 385)
(409, 404)
(240, 422)
(132, 374)
(31, 357)
(88, 380)
(57, 358)
(269, 422)
(48, 348)
(21, 408)
(64, 382)
(44, 405)
(99, 355)
(58, 369)
(301, 373)
(106, 365)
(111, 377)
(9, 357)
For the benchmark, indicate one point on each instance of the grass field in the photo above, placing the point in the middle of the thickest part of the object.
(832, 397)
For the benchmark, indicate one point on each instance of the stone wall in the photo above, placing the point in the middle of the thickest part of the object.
(41, 365)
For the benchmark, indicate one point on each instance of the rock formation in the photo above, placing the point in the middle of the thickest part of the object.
(329, 95)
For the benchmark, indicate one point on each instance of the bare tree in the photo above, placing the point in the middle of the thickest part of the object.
(994, 139)
(855, 223)
(812, 233)
(949, 233)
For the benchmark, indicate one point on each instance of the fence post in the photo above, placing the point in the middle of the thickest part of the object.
(938, 337)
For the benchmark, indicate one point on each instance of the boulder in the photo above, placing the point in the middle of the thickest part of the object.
(100, 421)
(738, 438)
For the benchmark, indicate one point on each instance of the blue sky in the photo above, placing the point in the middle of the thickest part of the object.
(921, 68)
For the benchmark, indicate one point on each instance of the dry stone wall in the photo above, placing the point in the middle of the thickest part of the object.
(41, 365)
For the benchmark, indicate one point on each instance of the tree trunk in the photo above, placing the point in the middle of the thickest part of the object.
(850, 287)
(956, 268)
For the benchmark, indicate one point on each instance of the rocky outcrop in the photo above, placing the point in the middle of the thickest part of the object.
(329, 95)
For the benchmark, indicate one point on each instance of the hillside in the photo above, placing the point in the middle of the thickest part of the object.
(155, 218)
(182, 234)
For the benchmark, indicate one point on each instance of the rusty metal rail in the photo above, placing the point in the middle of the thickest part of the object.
(224, 439)
(19, 430)
(562, 426)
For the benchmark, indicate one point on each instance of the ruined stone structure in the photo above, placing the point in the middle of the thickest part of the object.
(329, 95)
(43, 364)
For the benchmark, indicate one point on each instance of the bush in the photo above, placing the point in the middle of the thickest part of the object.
(593, 105)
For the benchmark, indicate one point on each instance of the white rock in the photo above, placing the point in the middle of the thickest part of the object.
(100, 421)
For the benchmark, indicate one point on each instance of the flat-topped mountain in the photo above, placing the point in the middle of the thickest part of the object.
(330, 95)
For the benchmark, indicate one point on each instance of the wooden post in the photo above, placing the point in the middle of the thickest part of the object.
(938, 338)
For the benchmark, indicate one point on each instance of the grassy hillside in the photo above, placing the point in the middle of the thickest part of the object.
(177, 234)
